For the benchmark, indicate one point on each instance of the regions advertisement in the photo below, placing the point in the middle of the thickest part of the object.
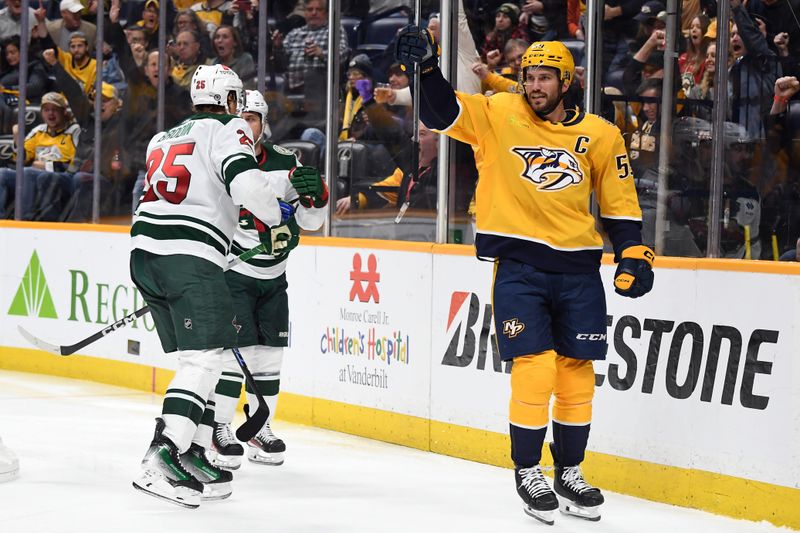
(63, 286)
(696, 375)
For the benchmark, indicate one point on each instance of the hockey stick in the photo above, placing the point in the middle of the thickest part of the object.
(254, 423)
(124, 321)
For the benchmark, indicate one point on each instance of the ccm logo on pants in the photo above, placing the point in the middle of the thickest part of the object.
(591, 336)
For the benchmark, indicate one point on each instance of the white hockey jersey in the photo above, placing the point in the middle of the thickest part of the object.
(198, 173)
(276, 163)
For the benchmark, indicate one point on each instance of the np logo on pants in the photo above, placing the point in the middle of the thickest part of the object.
(512, 327)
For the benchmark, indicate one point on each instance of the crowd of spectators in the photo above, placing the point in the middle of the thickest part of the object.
(761, 203)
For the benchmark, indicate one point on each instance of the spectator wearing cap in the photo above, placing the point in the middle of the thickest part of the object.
(506, 27)
(49, 148)
(9, 81)
(61, 30)
(149, 22)
(76, 62)
(77, 182)
(357, 90)
(230, 52)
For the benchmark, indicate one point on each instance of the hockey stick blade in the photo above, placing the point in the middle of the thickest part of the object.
(72, 348)
(253, 424)
(39, 343)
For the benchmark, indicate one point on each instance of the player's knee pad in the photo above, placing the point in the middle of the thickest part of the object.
(574, 391)
(267, 360)
(532, 380)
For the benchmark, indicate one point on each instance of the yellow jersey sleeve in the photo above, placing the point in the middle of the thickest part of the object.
(473, 119)
(500, 84)
(613, 179)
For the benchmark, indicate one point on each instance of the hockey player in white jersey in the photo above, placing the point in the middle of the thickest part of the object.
(198, 174)
(258, 288)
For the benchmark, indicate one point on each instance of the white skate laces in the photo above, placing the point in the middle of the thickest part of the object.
(225, 435)
(534, 481)
(266, 434)
(572, 478)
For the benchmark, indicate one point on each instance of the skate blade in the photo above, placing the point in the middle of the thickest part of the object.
(566, 507)
(9, 475)
(216, 491)
(227, 462)
(545, 517)
(160, 488)
(260, 457)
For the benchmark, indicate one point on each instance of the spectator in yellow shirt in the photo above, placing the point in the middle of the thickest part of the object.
(49, 149)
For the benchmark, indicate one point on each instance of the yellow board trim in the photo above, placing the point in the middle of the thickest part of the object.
(680, 263)
(716, 493)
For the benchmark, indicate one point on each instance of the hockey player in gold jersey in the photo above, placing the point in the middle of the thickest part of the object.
(540, 164)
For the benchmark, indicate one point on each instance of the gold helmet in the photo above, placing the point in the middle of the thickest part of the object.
(548, 54)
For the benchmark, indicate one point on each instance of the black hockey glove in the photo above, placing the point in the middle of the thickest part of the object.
(309, 184)
(634, 275)
(415, 45)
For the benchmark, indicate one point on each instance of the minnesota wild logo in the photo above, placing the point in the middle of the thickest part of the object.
(33, 296)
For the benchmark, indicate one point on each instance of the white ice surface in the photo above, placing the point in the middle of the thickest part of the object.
(79, 446)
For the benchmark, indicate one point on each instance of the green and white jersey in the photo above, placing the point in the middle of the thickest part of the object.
(276, 162)
(198, 173)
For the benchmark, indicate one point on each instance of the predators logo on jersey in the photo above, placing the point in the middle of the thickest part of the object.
(551, 169)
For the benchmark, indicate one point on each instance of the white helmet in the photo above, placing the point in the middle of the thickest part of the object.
(211, 84)
(255, 103)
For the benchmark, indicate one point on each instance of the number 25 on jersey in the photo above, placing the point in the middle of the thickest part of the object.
(166, 179)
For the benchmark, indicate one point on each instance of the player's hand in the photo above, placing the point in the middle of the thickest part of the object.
(416, 46)
(309, 184)
(634, 275)
(276, 240)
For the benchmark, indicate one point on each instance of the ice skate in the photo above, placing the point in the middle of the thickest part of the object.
(225, 452)
(216, 481)
(540, 500)
(576, 496)
(163, 474)
(9, 465)
(265, 448)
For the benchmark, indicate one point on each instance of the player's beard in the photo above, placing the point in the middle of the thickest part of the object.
(549, 105)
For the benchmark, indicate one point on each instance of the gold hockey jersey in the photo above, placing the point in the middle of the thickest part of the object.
(536, 178)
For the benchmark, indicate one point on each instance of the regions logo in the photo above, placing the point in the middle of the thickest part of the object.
(33, 295)
(365, 284)
(551, 169)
